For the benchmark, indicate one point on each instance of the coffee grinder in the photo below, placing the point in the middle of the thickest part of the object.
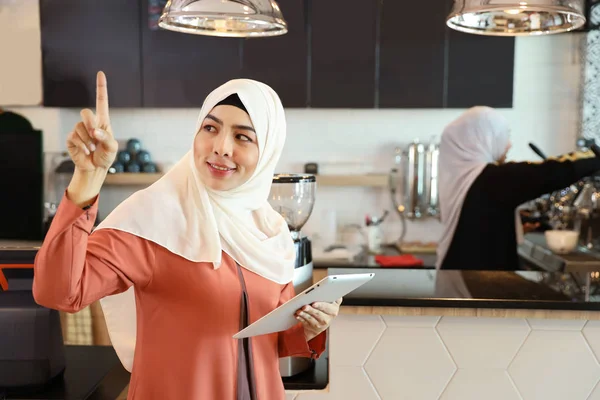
(293, 196)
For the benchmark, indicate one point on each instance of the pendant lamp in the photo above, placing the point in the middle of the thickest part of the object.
(228, 18)
(516, 18)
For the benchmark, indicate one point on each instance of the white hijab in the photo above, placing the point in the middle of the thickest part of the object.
(197, 223)
(477, 138)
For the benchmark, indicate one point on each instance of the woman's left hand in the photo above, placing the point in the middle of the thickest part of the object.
(316, 317)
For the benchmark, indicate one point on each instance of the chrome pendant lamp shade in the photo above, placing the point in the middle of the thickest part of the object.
(516, 18)
(229, 18)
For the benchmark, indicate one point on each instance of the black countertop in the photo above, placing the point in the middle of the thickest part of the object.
(476, 289)
(95, 373)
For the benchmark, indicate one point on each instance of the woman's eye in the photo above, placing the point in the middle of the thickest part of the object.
(210, 128)
(244, 138)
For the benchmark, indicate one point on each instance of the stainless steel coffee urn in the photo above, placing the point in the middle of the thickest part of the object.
(414, 180)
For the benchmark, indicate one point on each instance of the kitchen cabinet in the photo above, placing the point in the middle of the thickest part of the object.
(432, 66)
(480, 70)
(78, 39)
(180, 70)
(282, 61)
(343, 53)
(411, 54)
(374, 54)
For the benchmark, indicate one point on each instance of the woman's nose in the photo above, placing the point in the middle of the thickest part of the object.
(223, 145)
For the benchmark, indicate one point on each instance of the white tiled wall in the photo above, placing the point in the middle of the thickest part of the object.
(545, 112)
(452, 358)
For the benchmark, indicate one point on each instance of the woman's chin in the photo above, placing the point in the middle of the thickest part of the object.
(222, 183)
(216, 184)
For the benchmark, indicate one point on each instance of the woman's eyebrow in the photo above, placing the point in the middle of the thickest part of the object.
(217, 120)
(245, 127)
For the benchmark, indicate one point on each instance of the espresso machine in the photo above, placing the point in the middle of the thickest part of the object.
(293, 196)
(575, 207)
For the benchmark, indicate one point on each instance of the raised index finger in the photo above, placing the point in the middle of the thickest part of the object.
(102, 101)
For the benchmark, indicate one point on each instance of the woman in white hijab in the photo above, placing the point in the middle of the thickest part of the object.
(183, 265)
(479, 192)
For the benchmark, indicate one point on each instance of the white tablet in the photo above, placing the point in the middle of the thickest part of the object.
(329, 289)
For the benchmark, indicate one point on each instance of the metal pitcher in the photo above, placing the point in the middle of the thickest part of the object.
(414, 180)
(432, 180)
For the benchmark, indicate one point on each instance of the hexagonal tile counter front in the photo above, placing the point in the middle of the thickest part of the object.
(346, 383)
(555, 365)
(595, 395)
(477, 384)
(353, 337)
(410, 363)
(291, 395)
(591, 333)
(482, 342)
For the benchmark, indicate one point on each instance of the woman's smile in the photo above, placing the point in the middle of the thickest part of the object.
(219, 170)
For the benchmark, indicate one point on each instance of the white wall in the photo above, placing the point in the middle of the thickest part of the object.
(545, 112)
(21, 62)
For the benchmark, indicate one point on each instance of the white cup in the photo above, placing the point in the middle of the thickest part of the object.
(374, 238)
(561, 241)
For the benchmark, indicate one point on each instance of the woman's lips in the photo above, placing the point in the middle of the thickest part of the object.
(219, 170)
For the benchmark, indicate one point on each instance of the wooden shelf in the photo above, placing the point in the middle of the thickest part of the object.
(367, 180)
(132, 179)
(145, 179)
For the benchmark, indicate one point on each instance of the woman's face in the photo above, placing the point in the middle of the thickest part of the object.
(225, 148)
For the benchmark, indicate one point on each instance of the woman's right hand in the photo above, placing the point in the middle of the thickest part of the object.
(91, 145)
(92, 148)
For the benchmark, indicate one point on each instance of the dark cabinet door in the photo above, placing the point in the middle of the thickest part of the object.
(80, 38)
(343, 53)
(180, 69)
(480, 70)
(282, 61)
(411, 54)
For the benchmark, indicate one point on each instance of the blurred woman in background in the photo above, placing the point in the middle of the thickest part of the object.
(480, 192)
